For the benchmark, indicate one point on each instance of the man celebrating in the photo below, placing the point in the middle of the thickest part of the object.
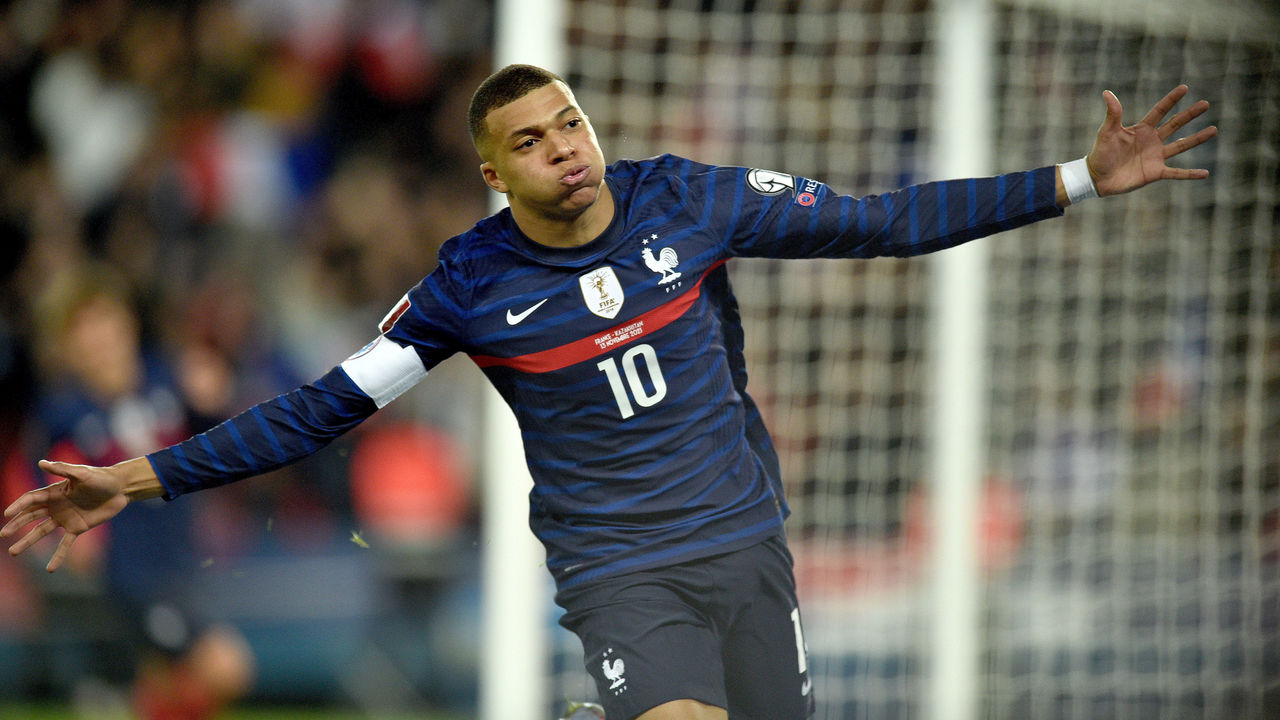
(599, 306)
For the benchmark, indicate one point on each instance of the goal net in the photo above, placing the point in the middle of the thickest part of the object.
(1130, 517)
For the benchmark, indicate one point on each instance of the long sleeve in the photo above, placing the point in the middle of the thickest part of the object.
(937, 215)
(267, 436)
(783, 216)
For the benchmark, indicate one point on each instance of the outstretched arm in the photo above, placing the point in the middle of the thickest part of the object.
(267, 436)
(86, 498)
(1127, 158)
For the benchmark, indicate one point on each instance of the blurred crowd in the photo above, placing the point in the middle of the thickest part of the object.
(203, 204)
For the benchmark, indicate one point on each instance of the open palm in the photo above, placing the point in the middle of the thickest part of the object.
(86, 498)
(1126, 158)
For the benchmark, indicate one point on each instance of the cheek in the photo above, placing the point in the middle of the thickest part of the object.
(532, 177)
(595, 142)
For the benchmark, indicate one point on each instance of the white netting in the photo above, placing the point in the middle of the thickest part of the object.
(1135, 362)
(1133, 517)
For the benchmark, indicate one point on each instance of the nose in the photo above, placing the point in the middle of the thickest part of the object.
(560, 147)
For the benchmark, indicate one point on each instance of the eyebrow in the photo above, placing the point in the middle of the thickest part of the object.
(534, 130)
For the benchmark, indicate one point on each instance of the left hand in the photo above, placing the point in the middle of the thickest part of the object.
(1127, 158)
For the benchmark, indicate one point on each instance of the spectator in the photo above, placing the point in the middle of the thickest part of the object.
(105, 398)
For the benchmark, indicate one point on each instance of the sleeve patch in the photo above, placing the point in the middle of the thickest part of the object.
(384, 370)
(768, 182)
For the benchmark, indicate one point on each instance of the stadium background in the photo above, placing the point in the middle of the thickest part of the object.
(269, 176)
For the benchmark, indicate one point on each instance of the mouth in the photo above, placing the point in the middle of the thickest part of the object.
(576, 175)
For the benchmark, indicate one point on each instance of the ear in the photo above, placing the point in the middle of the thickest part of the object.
(491, 178)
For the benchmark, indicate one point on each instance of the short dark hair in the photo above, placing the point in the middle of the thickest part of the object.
(504, 86)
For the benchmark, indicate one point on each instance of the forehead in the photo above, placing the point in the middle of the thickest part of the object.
(535, 109)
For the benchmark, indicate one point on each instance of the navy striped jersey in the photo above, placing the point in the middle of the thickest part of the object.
(622, 359)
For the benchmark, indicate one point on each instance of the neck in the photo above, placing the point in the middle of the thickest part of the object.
(567, 232)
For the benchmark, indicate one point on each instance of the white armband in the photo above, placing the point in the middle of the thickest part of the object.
(384, 370)
(1077, 181)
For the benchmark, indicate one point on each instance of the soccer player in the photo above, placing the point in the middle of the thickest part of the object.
(599, 306)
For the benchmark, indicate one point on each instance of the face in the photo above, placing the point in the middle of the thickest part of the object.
(101, 346)
(543, 154)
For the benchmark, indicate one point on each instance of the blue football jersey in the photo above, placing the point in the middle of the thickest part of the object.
(622, 359)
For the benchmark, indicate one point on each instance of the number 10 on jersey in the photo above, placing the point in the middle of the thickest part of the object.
(631, 361)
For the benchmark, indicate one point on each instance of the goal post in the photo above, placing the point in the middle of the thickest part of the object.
(957, 449)
(514, 582)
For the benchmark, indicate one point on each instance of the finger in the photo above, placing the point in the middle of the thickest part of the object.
(1178, 121)
(1184, 174)
(1182, 145)
(23, 520)
(1162, 108)
(33, 536)
(62, 551)
(39, 496)
(17, 506)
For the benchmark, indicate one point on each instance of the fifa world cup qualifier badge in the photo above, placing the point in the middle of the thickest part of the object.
(769, 182)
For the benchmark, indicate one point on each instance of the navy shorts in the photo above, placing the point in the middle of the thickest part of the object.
(724, 631)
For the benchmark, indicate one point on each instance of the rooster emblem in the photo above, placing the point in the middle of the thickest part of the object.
(665, 263)
(614, 672)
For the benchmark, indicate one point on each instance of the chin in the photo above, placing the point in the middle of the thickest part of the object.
(581, 199)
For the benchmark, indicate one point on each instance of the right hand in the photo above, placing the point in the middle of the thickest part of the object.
(86, 498)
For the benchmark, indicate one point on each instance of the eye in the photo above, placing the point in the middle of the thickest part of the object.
(528, 143)
(573, 123)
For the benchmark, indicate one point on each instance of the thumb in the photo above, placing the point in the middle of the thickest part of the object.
(1114, 111)
(60, 469)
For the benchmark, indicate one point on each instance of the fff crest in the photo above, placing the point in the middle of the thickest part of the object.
(602, 292)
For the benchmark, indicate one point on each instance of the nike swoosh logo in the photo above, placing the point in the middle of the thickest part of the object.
(514, 319)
